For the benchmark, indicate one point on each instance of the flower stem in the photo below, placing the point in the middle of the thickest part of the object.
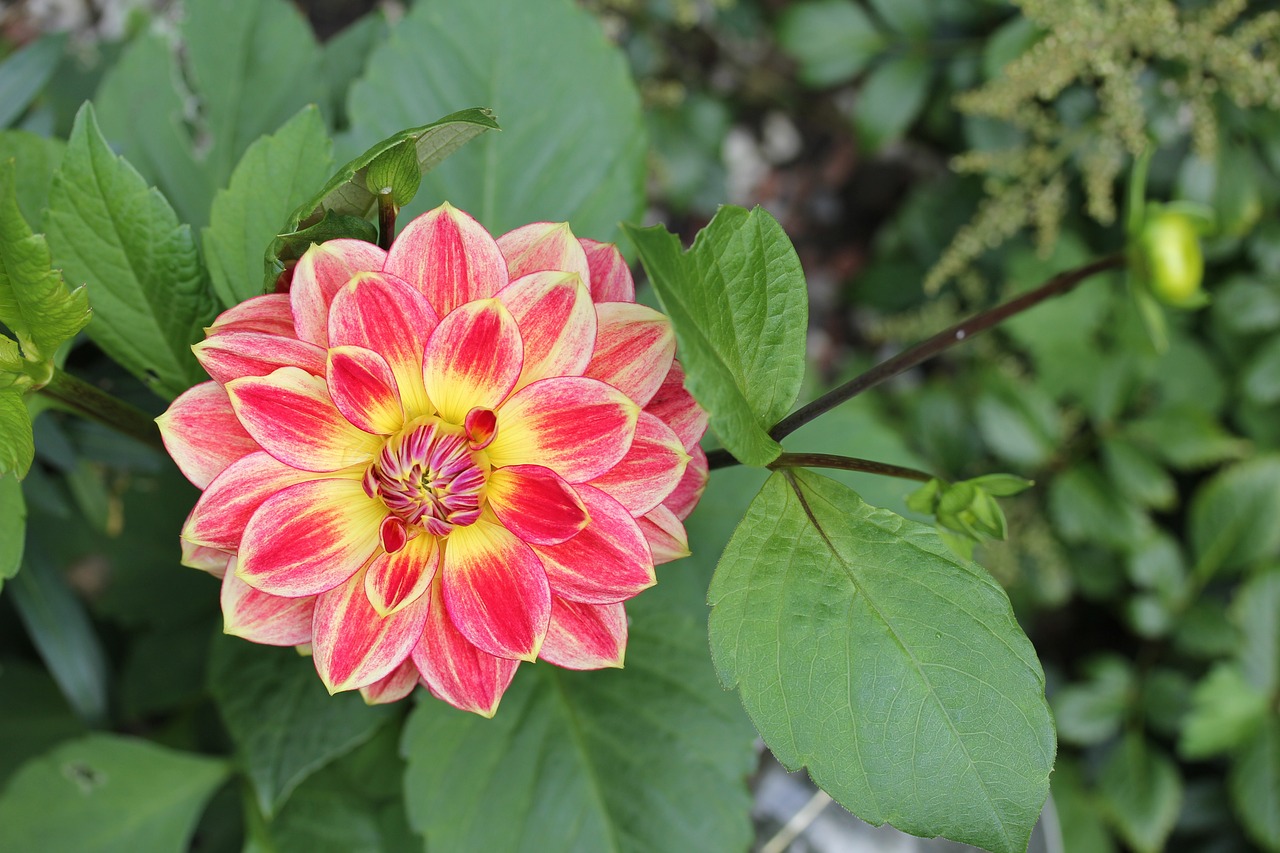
(93, 403)
(847, 463)
(387, 213)
(1059, 285)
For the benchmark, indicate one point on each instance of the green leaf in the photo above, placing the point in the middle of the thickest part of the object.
(345, 57)
(395, 172)
(148, 294)
(1225, 710)
(890, 99)
(1019, 422)
(284, 723)
(17, 446)
(1233, 516)
(909, 17)
(1245, 306)
(1186, 437)
(574, 147)
(1254, 784)
(1256, 611)
(37, 158)
(898, 675)
(24, 73)
(1085, 509)
(649, 758)
(105, 793)
(1090, 712)
(1261, 380)
(275, 175)
(1137, 476)
(13, 526)
(34, 302)
(1082, 828)
(739, 304)
(1141, 793)
(33, 715)
(832, 40)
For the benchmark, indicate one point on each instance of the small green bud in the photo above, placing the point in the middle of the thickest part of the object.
(1167, 258)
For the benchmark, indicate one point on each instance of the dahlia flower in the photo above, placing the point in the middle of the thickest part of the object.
(429, 464)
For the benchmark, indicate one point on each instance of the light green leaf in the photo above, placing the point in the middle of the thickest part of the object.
(1256, 611)
(105, 793)
(17, 446)
(1141, 793)
(395, 172)
(574, 144)
(649, 758)
(1225, 710)
(284, 723)
(898, 675)
(832, 40)
(13, 526)
(1254, 784)
(37, 158)
(1091, 711)
(890, 99)
(1233, 516)
(148, 294)
(275, 175)
(24, 73)
(739, 304)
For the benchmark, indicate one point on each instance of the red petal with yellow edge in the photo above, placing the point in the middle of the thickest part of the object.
(363, 390)
(665, 534)
(320, 274)
(230, 355)
(585, 636)
(635, 346)
(575, 426)
(557, 324)
(535, 504)
(394, 687)
(449, 258)
(676, 407)
(353, 645)
(473, 359)
(608, 561)
(309, 538)
(495, 590)
(396, 580)
(610, 277)
(692, 484)
(650, 471)
(543, 246)
(454, 669)
(223, 511)
(269, 313)
(272, 620)
(202, 434)
(291, 415)
(385, 314)
(211, 560)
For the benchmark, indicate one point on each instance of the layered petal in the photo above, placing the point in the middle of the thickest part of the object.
(320, 274)
(665, 534)
(385, 314)
(651, 470)
(608, 561)
(542, 246)
(395, 581)
(557, 324)
(230, 355)
(575, 426)
(454, 669)
(259, 617)
(270, 314)
(635, 346)
(449, 258)
(692, 484)
(353, 645)
(675, 406)
(310, 537)
(364, 390)
(535, 504)
(495, 590)
(202, 434)
(394, 687)
(473, 359)
(585, 636)
(223, 511)
(610, 278)
(291, 416)
(211, 560)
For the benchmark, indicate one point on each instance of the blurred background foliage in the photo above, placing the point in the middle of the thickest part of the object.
(928, 158)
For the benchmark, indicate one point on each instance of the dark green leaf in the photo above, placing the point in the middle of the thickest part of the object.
(739, 304)
(1082, 828)
(1091, 711)
(37, 159)
(106, 228)
(1085, 509)
(33, 715)
(275, 175)
(890, 99)
(1137, 476)
(1141, 793)
(17, 447)
(13, 526)
(345, 57)
(284, 723)
(1256, 611)
(1225, 711)
(1186, 437)
(898, 675)
(24, 73)
(831, 39)
(1261, 380)
(1018, 421)
(1233, 516)
(908, 17)
(574, 145)
(105, 793)
(1255, 785)
(332, 226)
(1246, 306)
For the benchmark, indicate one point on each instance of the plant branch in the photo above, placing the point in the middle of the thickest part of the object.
(93, 403)
(847, 463)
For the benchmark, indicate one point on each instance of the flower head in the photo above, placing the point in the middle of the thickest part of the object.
(433, 463)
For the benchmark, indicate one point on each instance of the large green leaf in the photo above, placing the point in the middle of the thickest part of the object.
(649, 758)
(864, 650)
(1255, 785)
(146, 287)
(573, 146)
(17, 445)
(831, 39)
(105, 793)
(13, 526)
(1233, 516)
(275, 175)
(284, 724)
(1141, 793)
(33, 715)
(37, 158)
(24, 73)
(891, 98)
(740, 308)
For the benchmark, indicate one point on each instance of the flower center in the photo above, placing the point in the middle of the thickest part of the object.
(428, 476)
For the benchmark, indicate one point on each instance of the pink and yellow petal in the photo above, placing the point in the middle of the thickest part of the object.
(651, 470)
(535, 504)
(635, 346)
(353, 645)
(665, 534)
(472, 359)
(291, 416)
(692, 484)
(675, 406)
(585, 636)
(575, 426)
(449, 258)
(223, 511)
(541, 246)
(455, 670)
(495, 590)
(394, 687)
(202, 434)
(320, 274)
(259, 617)
(364, 390)
(610, 277)
(557, 324)
(608, 561)
(206, 559)
(230, 355)
(270, 314)
(309, 538)
(394, 581)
